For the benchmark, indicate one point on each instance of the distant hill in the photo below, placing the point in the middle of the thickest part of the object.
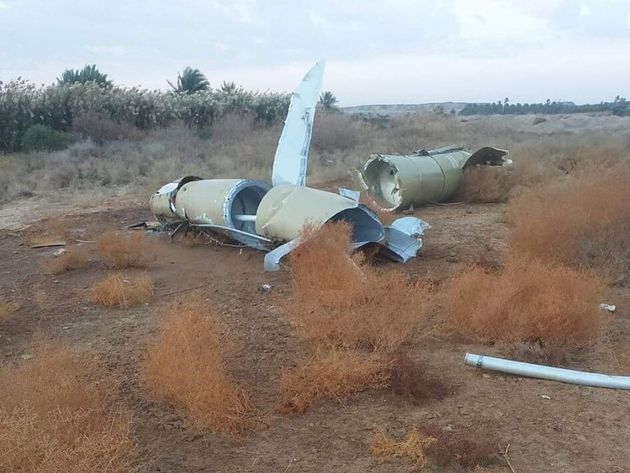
(394, 109)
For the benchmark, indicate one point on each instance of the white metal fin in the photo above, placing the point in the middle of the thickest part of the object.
(289, 166)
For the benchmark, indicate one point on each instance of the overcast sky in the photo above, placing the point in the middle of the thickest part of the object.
(395, 51)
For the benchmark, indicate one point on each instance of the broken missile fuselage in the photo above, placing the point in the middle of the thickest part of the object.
(398, 182)
(271, 217)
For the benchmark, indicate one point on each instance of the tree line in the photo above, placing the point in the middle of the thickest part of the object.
(619, 106)
(47, 117)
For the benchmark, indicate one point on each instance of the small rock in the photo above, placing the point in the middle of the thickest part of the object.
(27, 357)
(544, 396)
(59, 252)
(485, 375)
(264, 288)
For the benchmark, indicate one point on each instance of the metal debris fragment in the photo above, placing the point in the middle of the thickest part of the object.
(608, 307)
(399, 182)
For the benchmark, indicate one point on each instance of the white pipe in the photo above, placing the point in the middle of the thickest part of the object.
(547, 372)
(244, 218)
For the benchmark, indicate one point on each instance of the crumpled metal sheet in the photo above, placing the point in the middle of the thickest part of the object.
(289, 166)
(402, 238)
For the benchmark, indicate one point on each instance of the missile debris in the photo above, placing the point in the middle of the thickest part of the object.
(398, 182)
(271, 217)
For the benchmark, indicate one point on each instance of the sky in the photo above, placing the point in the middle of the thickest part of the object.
(377, 52)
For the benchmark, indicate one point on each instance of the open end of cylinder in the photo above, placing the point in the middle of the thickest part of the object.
(365, 226)
(243, 204)
(382, 180)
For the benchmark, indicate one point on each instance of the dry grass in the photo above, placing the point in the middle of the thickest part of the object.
(583, 222)
(332, 375)
(117, 290)
(57, 413)
(75, 257)
(338, 300)
(486, 184)
(411, 447)
(123, 250)
(7, 309)
(185, 367)
(527, 301)
(467, 447)
(414, 381)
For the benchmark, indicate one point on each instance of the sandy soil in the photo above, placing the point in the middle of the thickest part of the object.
(578, 429)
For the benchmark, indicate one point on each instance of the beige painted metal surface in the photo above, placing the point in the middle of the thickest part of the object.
(401, 181)
(285, 209)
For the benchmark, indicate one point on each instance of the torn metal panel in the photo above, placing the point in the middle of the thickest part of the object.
(272, 259)
(162, 203)
(402, 181)
(289, 166)
(403, 238)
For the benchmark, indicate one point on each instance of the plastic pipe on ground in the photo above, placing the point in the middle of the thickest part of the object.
(547, 372)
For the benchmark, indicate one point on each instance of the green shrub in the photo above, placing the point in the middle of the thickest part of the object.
(45, 138)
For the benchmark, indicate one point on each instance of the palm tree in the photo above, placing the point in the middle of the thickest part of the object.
(190, 81)
(228, 87)
(87, 74)
(328, 101)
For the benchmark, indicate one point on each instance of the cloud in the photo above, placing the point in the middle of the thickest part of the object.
(500, 20)
(115, 51)
(3, 5)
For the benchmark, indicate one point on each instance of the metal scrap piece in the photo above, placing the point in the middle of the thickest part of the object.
(289, 165)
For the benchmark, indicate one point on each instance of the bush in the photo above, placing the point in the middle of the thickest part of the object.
(45, 138)
(185, 367)
(412, 447)
(74, 258)
(486, 184)
(123, 250)
(101, 129)
(333, 375)
(413, 380)
(57, 413)
(338, 300)
(583, 222)
(464, 446)
(527, 301)
(122, 291)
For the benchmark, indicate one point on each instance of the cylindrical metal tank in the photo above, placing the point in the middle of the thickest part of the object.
(398, 182)
(286, 209)
(218, 201)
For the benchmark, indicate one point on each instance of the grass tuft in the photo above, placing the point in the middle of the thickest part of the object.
(123, 250)
(528, 301)
(583, 222)
(121, 291)
(75, 257)
(339, 300)
(333, 375)
(412, 380)
(185, 367)
(57, 413)
(7, 309)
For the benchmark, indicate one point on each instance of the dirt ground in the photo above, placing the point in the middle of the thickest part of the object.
(550, 427)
